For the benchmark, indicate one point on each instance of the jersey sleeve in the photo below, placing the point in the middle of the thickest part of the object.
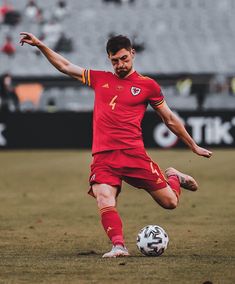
(156, 98)
(91, 77)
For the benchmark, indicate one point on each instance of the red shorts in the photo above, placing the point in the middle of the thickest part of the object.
(133, 166)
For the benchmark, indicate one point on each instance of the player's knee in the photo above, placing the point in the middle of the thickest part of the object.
(170, 203)
(105, 199)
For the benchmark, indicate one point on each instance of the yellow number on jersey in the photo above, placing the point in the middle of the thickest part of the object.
(112, 103)
(154, 171)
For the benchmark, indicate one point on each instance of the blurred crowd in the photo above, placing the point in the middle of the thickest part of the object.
(9, 101)
(49, 26)
(218, 84)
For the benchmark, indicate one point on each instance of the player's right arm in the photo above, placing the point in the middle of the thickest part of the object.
(58, 61)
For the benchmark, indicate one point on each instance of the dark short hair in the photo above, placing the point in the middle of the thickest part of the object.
(117, 43)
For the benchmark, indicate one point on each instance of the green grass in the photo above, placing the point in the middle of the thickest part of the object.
(50, 230)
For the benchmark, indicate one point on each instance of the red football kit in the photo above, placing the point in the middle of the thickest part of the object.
(118, 148)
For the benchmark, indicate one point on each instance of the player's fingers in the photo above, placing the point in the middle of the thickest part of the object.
(26, 37)
(24, 40)
(203, 152)
(25, 33)
(208, 154)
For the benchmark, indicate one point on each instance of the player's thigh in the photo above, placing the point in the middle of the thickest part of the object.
(105, 194)
(164, 197)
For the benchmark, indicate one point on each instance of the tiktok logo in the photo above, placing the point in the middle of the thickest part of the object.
(211, 130)
(164, 137)
(3, 141)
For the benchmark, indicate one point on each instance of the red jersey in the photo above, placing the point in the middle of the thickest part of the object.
(119, 107)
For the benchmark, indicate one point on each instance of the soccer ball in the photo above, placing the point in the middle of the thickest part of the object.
(152, 240)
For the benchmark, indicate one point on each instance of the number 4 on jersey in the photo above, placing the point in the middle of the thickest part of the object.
(113, 103)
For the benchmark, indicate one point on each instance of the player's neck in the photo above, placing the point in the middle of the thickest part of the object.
(131, 72)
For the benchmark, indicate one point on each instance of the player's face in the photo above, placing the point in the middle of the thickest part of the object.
(122, 62)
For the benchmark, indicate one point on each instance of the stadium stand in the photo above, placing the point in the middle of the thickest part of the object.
(66, 99)
(183, 36)
(219, 102)
(180, 36)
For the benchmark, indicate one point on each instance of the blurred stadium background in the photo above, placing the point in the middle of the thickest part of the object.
(49, 228)
(186, 45)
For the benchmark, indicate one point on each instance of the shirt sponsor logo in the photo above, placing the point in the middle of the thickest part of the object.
(135, 91)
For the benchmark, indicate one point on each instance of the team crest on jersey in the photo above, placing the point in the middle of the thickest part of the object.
(135, 91)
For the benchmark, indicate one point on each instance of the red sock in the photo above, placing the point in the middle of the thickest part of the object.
(175, 185)
(112, 224)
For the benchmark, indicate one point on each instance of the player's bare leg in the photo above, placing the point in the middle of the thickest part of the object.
(165, 197)
(110, 219)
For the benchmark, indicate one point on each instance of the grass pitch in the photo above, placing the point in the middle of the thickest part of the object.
(50, 230)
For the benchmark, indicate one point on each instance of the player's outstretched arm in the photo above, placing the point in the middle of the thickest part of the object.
(177, 127)
(60, 63)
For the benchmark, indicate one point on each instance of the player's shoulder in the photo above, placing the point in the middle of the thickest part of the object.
(143, 77)
(101, 72)
(146, 78)
(148, 81)
(91, 77)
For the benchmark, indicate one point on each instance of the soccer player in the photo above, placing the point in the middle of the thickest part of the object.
(118, 151)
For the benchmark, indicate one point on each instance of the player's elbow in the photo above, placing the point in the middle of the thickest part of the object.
(169, 123)
(63, 68)
(172, 122)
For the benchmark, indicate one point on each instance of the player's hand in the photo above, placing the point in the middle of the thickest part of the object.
(29, 39)
(202, 152)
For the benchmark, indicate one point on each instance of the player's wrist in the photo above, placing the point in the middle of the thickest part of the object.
(39, 44)
(194, 147)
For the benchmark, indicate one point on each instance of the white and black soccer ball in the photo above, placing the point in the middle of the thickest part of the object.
(152, 240)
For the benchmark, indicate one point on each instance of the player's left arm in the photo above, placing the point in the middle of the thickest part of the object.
(177, 127)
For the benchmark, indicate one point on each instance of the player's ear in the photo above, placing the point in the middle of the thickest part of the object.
(109, 55)
(132, 52)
